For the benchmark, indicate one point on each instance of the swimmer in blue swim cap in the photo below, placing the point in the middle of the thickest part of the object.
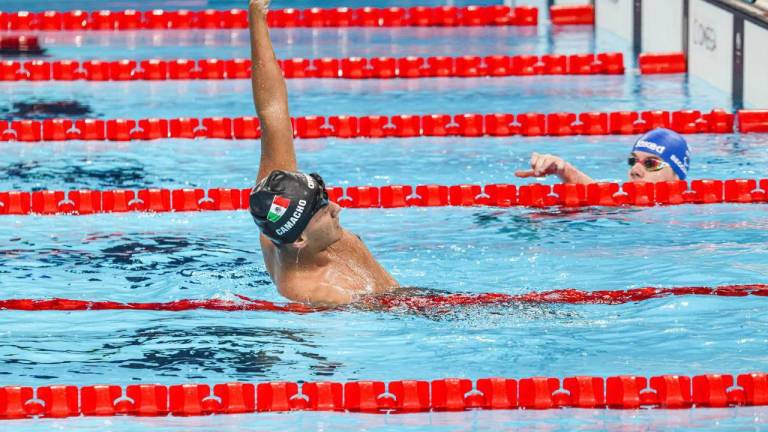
(659, 155)
(309, 256)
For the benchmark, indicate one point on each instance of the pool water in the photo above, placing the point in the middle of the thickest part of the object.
(165, 257)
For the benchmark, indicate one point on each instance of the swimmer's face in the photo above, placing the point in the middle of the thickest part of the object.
(639, 173)
(324, 229)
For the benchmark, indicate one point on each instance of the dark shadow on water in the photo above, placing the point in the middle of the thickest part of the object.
(143, 259)
(546, 223)
(39, 110)
(239, 352)
(97, 171)
(247, 352)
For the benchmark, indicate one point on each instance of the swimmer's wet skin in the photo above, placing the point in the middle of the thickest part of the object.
(308, 255)
(659, 155)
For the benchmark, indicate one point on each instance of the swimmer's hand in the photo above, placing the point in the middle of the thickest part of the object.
(543, 165)
(259, 5)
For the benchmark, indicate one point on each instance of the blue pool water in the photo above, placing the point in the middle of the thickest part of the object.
(152, 258)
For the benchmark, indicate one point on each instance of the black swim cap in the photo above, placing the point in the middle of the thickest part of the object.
(283, 203)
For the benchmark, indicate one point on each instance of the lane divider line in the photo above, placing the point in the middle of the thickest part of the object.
(402, 396)
(211, 19)
(611, 63)
(536, 195)
(471, 125)
(396, 302)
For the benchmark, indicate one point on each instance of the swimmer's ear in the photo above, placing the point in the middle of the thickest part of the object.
(300, 242)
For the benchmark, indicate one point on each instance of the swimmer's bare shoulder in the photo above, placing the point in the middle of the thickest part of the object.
(348, 273)
(383, 281)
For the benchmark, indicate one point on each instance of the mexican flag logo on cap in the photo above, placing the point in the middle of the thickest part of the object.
(278, 208)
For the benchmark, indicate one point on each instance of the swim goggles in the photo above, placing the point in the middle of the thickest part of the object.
(650, 164)
(323, 199)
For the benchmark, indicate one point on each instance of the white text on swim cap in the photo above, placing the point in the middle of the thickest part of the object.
(679, 163)
(659, 149)
(310, 181)
(294, 218)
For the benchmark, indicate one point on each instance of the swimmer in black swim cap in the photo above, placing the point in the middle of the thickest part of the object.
(283, 203)
(309, 256)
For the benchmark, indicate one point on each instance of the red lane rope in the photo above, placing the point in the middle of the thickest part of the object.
(563, 296)
(395, 302)
(470, 125)
(404, 396)
(662, 63)
(60, 304)
(536, 195)
(326, 67)
(572, 14)
(158, 19)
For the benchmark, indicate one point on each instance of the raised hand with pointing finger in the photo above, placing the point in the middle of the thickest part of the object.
(543, 165)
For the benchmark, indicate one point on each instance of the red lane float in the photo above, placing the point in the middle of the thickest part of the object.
(572, 14)
(403, 396)
(211, 19)
(344, 68)
(662, 63)
(753, 120)
(395, 302)
(535, 195)
(717, 121)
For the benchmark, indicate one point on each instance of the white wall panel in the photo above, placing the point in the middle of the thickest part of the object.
(615, 16)
(662, 22)
(710, 44)
(755, 66)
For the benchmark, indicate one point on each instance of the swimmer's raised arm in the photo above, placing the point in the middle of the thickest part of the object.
(270, 96)
(543, 165)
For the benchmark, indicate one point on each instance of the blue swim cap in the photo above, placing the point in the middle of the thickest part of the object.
(669, 146)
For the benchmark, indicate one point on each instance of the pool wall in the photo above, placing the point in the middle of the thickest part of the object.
(724, 40)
